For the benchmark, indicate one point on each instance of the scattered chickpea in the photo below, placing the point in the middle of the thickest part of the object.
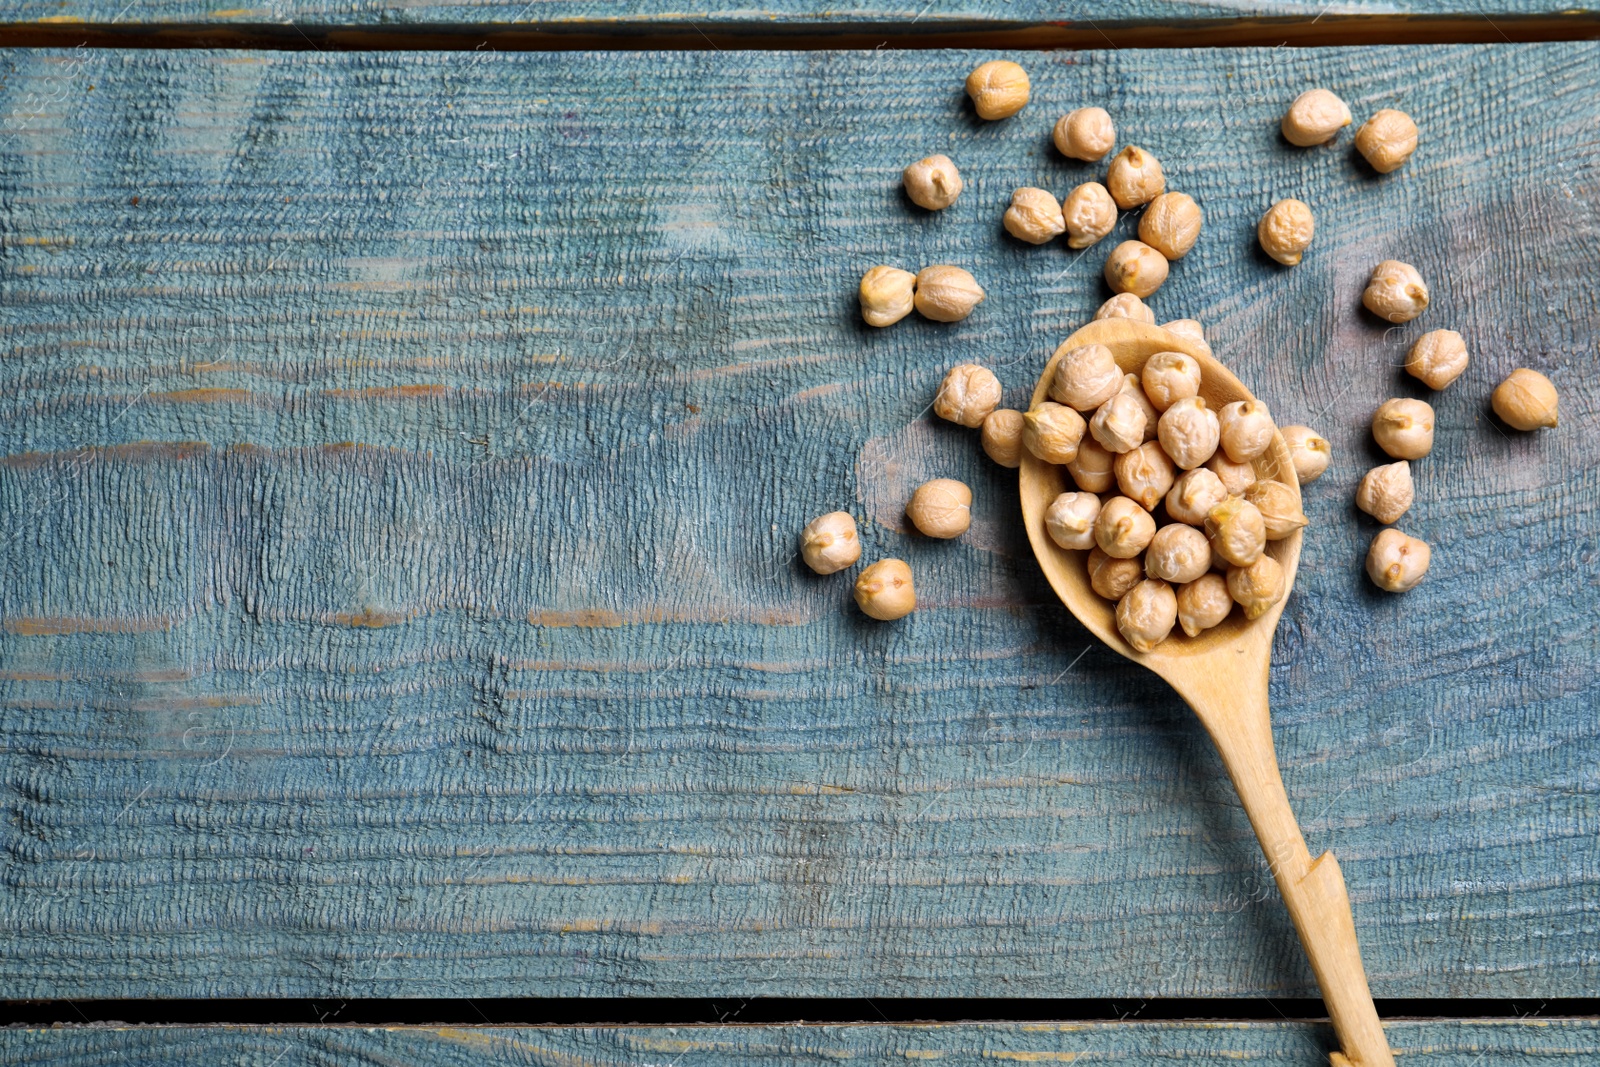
(1194, 494)
(1189, 330)
(1247, 429)
(1309, 450)
(1002, 437)
(1123, 528)
(1093, 467)
(1177, 554)
(1118, 424)
(1256, 586)
(933, 183)
(947, 294)
(1437, 358)
(1085, 377)
(967, 395)
(1145, 473)
(1089, 213)
(1169, 377)
(1238, 532)
(884, 590)
(1203, 603)
(1396, 562)
(1286, 230)
(1387, 140)
(1315, 117)
(1112, 577)
(1085, 134)
(1404, 428)
(1279, 505)
(1395, 292)
(1152, 417)
(1034, 216)
(1235, 477)
(1188, 432)
(1171, 224)
(941, 508)
(1134, 178)
(1126, 306)
(829, 542)
(1052, 432)
(1146, 614)
(1070, 520)
(1526, 400)
(886, 295)
(1134, 267)
(999, 89)
(1386, 492)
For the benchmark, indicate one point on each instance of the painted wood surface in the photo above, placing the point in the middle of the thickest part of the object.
(403, 461)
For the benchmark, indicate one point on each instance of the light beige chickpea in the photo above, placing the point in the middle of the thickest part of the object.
(1309, 451)
(829, 542)
(1404, 428)
(1279, 505)
(1134, 267)
(1169, 377)
(1235, 477)
(1093, 469)
(933, 183)
(1052, 432)
(999, 89)
(1171, 224)
(1089, 213)
(946, 293)
(1395, 292)
(1238, 532)
(1286, 230)
(1194, 494)
(1145, 474)
(1396, 562)
(1123, 528)
(1070, 520)
(1437, 358)
(1034, 216)
(1256, 586)
(1386, 492)
(1152, 418)
(1387, 140)
(1085, 134)
(1203, 603)
(941, 508)
(886, 295)
(1134, 178)
(1247, 429)
(967, 395)
(1315, 117)
(1118, 424)
(1125, 306)
(1188, 432)
(1002, 437)
(1190, 330)
(1178, 554)
(1526, 400)
(1146, 614)
(1085, 377)
(884, 590)
(1112, 577)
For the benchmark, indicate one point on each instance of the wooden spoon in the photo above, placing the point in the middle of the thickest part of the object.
(1222, 675)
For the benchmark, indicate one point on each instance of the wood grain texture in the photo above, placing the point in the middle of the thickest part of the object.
(404, 456)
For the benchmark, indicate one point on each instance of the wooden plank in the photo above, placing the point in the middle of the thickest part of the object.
(404, 455)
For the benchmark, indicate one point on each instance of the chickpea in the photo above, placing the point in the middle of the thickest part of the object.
(1134, 267)
(1235, 477)
(1404, 428)
(933, 183)
(1396, 562)
(1437, 358)
(1189, 329)
(1152, 417)
(1238, 532)
(941, 508)
(1126, 306)
(1279, 506)
(1112, 577)
(1034, 216)
(1123, 528)
(1188, 432)
(1092, 469)
(999, 89)
(1134, 178)
(1146, 613)
(1085, 377)
(1395, 292)
(1070, 520)
(1315, 117)
(1256, 587)
(1247, 429)
(1203, 603)
(1118, 424)
(1052, 432)
(1177, 554)
(829, 542)
(1085, 134)
(1171, 224)
(1309, 450)
(1386, 492)
(1089, 213)
(947, 294)
(1193, 496)
(1145, 473)
(1286, 230)
(1002, 437)
(1169, 377)
(884, 590)
(886, 295)
(967, 395)
(1387, 140)
(1526, 400)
